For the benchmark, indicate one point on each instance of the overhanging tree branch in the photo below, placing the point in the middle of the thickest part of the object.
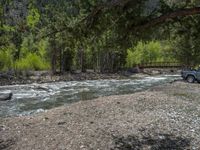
(163, 18)
(143, 25)
(56, 31)
(94, 14)
(98, 9)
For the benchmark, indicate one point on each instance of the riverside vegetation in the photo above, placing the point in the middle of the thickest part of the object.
(106, 36)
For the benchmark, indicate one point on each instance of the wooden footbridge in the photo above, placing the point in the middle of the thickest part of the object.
(160, 65)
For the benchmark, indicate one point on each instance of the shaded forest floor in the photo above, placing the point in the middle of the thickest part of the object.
(161, 118)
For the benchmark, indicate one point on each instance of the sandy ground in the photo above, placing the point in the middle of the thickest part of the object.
(162, 118)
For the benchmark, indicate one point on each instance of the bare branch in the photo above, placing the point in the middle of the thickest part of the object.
(163, 18)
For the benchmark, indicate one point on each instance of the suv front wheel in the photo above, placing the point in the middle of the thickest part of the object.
(190, 79)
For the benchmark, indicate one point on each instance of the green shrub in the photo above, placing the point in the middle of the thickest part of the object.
(5, 61)
(153, 51)
(31, 62)
(130, 61)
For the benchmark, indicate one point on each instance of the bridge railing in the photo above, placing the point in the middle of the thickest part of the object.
(160, 65)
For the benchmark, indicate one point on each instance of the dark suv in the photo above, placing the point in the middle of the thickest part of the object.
(191, 75)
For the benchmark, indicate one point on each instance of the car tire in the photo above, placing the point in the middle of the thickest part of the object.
(190, 79)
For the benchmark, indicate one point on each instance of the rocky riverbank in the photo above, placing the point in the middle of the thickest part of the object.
(46, 76)
(164, 117)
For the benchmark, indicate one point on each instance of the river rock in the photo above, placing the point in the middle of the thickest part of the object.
(6, 95)
(43, 88)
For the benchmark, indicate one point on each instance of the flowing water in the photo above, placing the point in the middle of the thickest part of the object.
(33, 98)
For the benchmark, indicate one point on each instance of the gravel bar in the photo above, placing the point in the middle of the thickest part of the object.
(165, 117)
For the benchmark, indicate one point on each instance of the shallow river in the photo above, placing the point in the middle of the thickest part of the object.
(33, 98)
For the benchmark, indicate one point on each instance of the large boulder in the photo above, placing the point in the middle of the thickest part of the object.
(134, 70)
(6, 95)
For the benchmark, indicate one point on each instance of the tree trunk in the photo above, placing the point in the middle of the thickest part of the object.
(61, 61)
(53, 57)
(83, 63)
(53, 62)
